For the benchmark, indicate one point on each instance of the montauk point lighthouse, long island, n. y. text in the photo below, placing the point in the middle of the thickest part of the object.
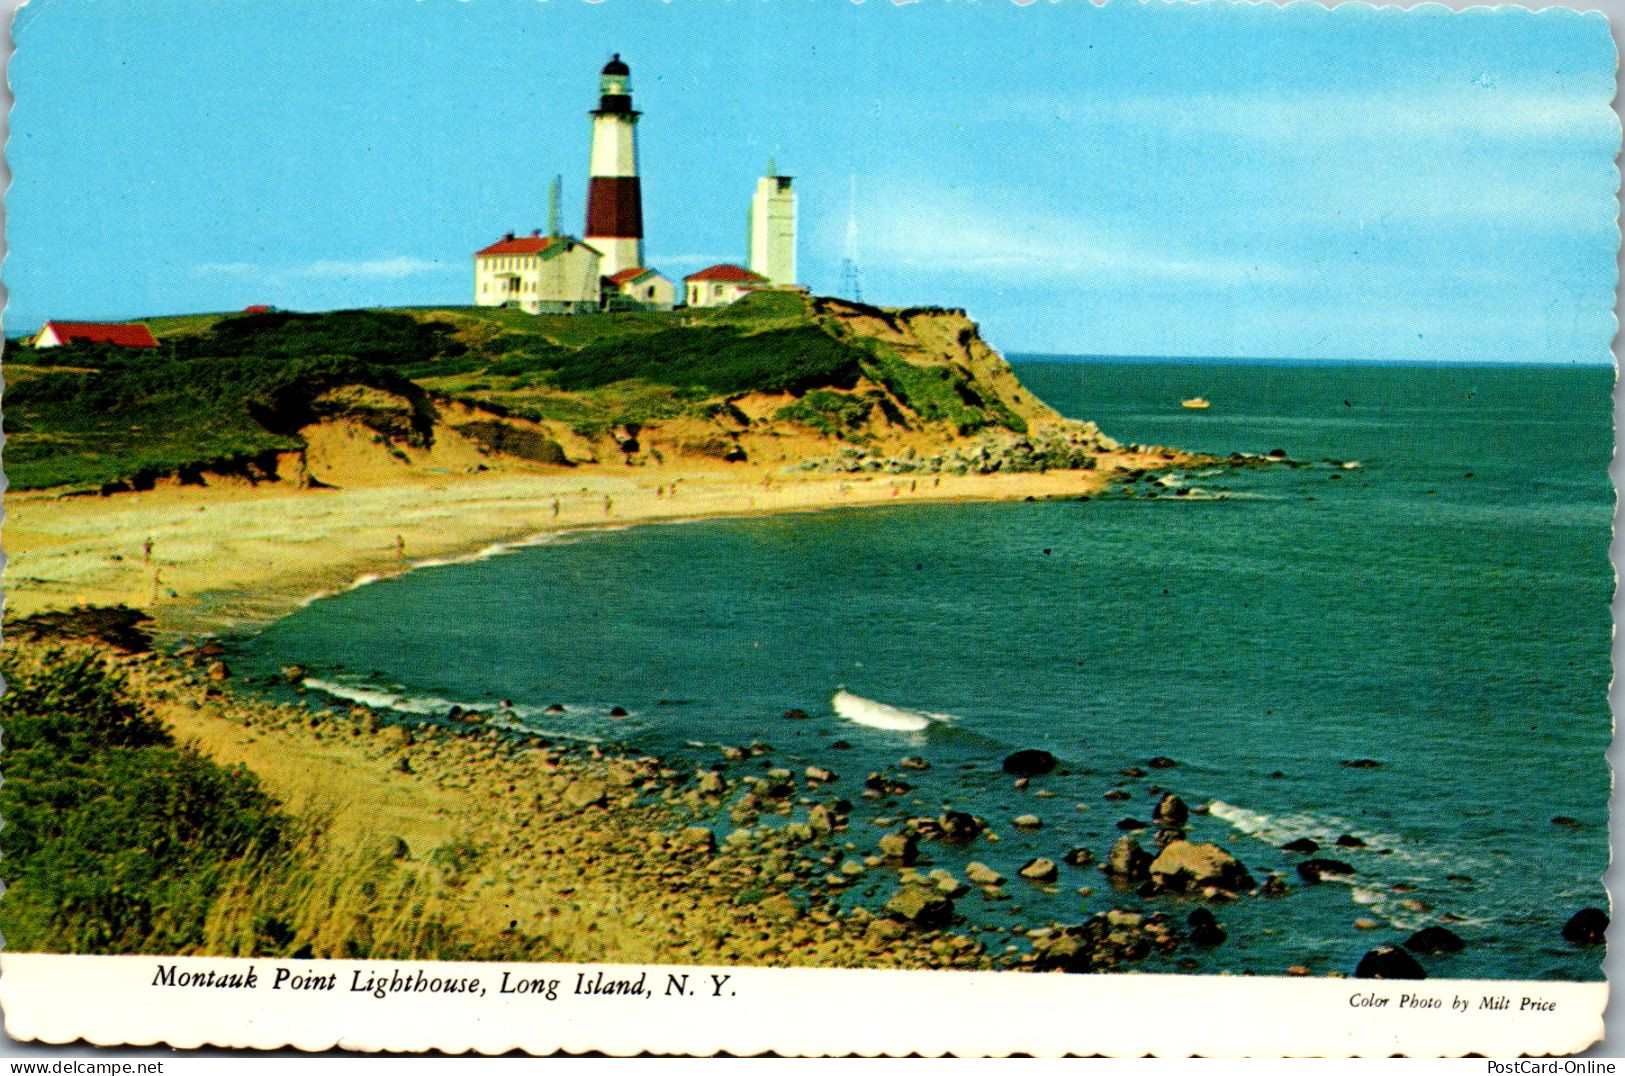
(560, 274)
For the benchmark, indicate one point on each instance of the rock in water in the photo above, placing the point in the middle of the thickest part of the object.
(1040, 870)
(982, 874)
(1312, 870)
(1127, 861)
(1171, 811)
(1078, 857)
(1432, 941)
(1162, 762)
(1184, 866)
(920, 907)
(1029, 762)
(1205, 930)
(1389, 962)
(960, 827)
(795, 715)
(902, 847)
(1027, 821)
(1588, 926)
(1303, 844)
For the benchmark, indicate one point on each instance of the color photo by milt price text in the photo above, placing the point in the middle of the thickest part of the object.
(380, 985)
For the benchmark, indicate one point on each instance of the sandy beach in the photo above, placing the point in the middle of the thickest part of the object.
(231, 552)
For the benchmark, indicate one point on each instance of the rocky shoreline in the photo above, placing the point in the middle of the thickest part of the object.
(522, 847)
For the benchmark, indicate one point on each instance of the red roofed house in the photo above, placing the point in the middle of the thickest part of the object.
(59, 333)
(645, 287)
(542, 274)
(722, 284)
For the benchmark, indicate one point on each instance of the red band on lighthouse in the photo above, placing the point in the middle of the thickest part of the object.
(614, 207)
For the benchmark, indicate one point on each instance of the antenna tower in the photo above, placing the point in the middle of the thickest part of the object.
(553, 206)
(851, 283)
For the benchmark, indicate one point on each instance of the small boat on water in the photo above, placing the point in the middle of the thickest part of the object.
(1195, 403)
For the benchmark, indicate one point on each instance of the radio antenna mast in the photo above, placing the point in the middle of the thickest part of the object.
(851, 282)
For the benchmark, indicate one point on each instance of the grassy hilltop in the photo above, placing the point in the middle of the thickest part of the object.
(776, 378)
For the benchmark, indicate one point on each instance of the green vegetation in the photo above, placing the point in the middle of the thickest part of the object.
(116, 840)
(833, 414)
(229, 393)
(939, 393)
(226, 398)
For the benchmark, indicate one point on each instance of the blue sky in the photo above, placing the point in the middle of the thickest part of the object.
(1156, 179)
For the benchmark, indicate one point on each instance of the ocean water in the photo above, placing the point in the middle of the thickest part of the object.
(1443, 608)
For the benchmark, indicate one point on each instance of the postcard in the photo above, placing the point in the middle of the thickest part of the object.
(818, 528)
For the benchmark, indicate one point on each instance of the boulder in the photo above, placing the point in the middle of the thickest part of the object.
(780, 907)
(1183, 866)
(1162, 762)
(1127, 861)
(697, 838)
(1171, 811)
(822, 820)
(1349, 840)
(1389, 962)
(1304, 845)
(914, 762)
(1588, 926)
(900, 847)
(1205, 930)
(712, 783)
(920, 907)
(219, 671)
(795, 715)
(881, 932)
(820, 774)
(293, 674)
(1312, 870)
(1274, 886)
(1029, 762)
(1130, 825)
(1027, 821)
(1040, 870)
(1433, 941)
(960, 827)
(586, 793)
(1361, 763)
(1078, 857)
(982, 874)
(947, 884)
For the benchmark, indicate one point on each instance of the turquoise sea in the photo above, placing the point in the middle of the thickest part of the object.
(1442, 609)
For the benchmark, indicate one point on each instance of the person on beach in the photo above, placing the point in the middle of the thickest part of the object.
(400, 546)
(146, 550)
(555, 508)
(609, 505)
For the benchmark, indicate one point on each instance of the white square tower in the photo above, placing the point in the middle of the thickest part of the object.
(772, 228)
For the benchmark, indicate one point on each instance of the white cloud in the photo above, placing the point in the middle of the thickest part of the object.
(376, 269)
(936, 232)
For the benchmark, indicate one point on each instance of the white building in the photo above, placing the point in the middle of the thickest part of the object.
(722, 284)
(771, 235)
(541, 274)
(644, 287)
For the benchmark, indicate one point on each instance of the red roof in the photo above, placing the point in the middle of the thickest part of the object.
(530, 244)
(626, 276)
(93, 332)
(257, 308)
(728, 274)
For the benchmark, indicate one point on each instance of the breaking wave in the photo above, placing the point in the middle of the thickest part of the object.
(880, 715)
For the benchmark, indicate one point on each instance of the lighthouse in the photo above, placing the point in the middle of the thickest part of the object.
(614, 202)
